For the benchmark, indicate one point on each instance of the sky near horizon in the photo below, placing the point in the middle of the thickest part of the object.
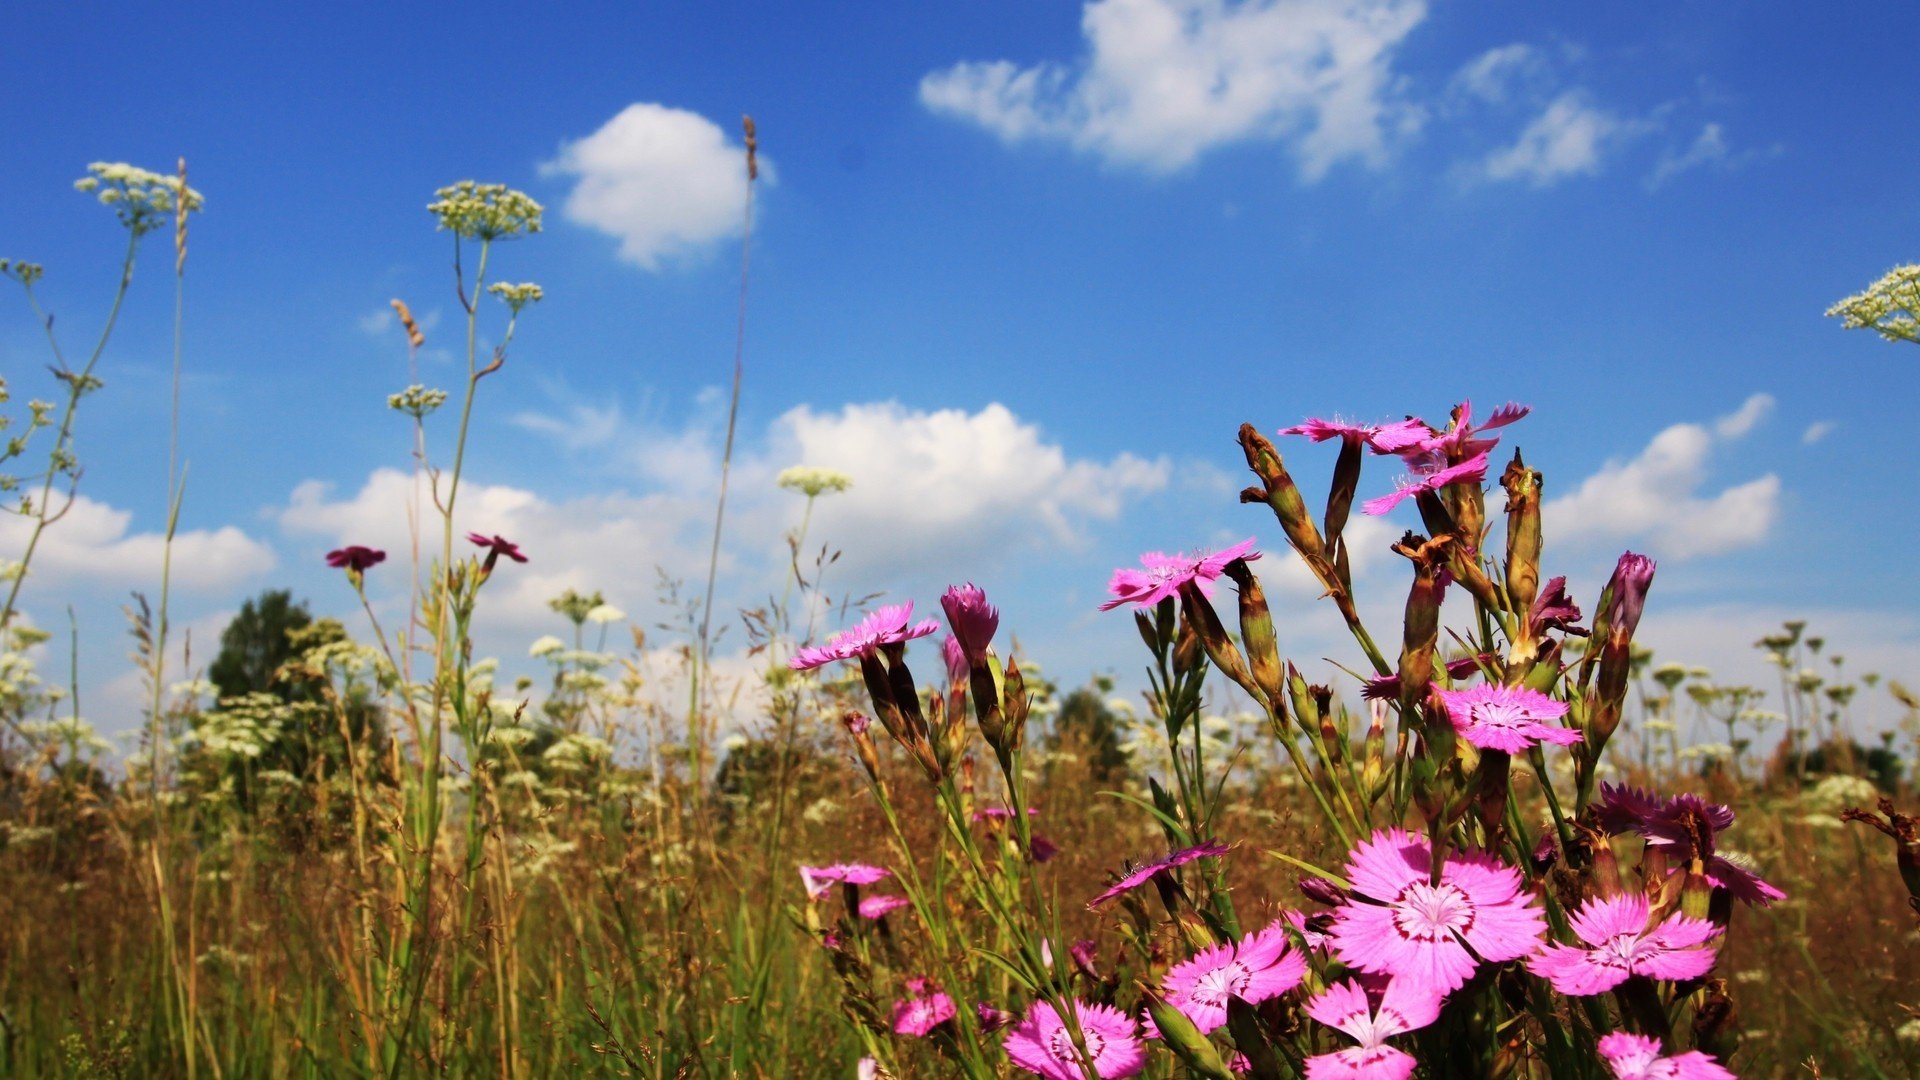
(1021, 269)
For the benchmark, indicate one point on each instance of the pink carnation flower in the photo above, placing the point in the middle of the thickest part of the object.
(1681, 824)
(923, 1010)
(1257, 967)
(1139, 875)
(1637, 1057)
(1320, 430)
(1399, 923)
(1041, 1044)
(887, 625)
(1470, 471)
(1165, 574)
(819, 879)
(1414, 439)
(1620, 943)
(971, 618)
(878, 907)
(1509, 718)
(1371, 1013)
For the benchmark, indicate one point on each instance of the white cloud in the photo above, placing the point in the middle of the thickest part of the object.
(1711, 149)
(1655, 498)
(93, 543)
(1492, 76)
(1164, 81)
(667, 182)
(1816, 431)
(1566, 139)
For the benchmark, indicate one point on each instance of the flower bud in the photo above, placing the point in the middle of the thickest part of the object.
(1256, 631)
(1193, 1049)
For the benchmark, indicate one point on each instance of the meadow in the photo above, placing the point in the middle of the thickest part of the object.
(352, 848)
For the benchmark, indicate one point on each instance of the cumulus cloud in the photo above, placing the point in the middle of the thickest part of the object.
(1655, 498)
(1567, 139)
(1164, 81)
(94, 543)
(666, 182)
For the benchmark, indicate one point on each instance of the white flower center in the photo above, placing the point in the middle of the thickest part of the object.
(1431, 913)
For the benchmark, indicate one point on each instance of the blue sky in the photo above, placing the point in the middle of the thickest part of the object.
(1022, 269)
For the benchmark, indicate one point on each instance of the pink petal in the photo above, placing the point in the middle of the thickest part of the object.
(1362, 1063)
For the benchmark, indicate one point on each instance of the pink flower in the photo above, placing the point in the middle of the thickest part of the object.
(1470, 471)
(496, 546)
(1637, 1057)
(355, 559)
(1415, 439)
(1001, 813)
(1509, 718)
(877, 907)
(819, 879)
(1041, 1044)
(923, 1010)
(1627, 590)
(886, 625)
(1165, 574)
(1139, 875)
(1553, 609)
(1686, 826)
(1371, 1012)
(991, 1019)
(1399, 923)
(971, 618)
(1320, 430)
(1387, 687)
(1622, 944)
(1306, 929)
(956, 661)
(1257, 967)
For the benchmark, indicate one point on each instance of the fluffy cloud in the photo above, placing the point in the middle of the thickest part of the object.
(1655, 498)
(665, 181)
(1566, 139)
(1709, 149)
(1163, 81)
(93, 543)
(1493, 76)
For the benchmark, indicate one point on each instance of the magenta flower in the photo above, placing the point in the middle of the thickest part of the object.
(1259, 966)
(991, 1019)
(1620, 943)
(1637, 1057)
(1320, 430)
(819, 879)
(956, 660)
(1470, 471)
(878, 907)
(1399, 923)
(1686, 826)
(924, 1009)
(1414, 439)
(1509, 718)
(1632, 576)
(1553, 609)
(1306, 929)
(496, 546)
(971, 618)
(355, 559)
(1372, 1011)
(886, 625)
(1165, 574)
(1001, 813)
(1387, 687)
(1139, 875)
(1041, 1044)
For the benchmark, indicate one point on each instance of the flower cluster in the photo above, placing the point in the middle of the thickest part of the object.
(813, 480)
(417, 401)
(144, 201)
(517, 296)
(476, 211)
(1889, 307)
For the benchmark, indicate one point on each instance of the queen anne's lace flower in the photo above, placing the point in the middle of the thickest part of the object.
(485, 211)
(1621, 943)
(1372, 1012)
(812, 480)
(1041, 1044)
(1257, 967)
(1400, 923)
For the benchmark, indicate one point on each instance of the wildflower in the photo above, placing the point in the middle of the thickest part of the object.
(956, 660)
(1470, 471)
(1631, 578)
(1041, 1044)
(1166, 574)
(1621, 943)
(1685, 827)
(1553, 609)
(517, 296)
(972, 619)
(1001, 813)
(1888, 307)
(1637, 1057)
(1139, 875)
(878, 907)
(144, 201)
(496, 546)
(1509, 718)
(812, 480)
(355, 559)
(417, 401)
(24, 272)
(885, 626)
(485, 211)
(819, 879)
(924, 1009)
(1320, 430)
(1372, 1011)
(991, 1019)
(1400, 923)
(1257, 967)
(1425, 449)
(1387, 687)
(605, 613)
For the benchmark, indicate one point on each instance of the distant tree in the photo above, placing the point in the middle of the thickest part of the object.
(1086, 723)
(256, 643)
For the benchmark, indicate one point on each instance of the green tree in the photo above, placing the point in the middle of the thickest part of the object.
(256, 643)
(1086, 723)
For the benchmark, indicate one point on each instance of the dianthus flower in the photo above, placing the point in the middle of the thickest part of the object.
(1399, 923)
(1261, 965)
(496, 546)
(1387, 687)
(1509, 718)
(355, 559)
(1637, 1057)
(1320, 430)
(1685, 826)
(924, 1009)
(887, 625)
(1553, 609)
(1165, 574)
(1139, 875)
(1472, 470)
(1041, 1044)
(1424, 449)
(877, 907)
(1621, 943)
(971, 618)
(819, 879)
(1372, 1011)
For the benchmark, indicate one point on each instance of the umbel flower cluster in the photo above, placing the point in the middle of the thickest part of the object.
(1481, 922)
(144, 200)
